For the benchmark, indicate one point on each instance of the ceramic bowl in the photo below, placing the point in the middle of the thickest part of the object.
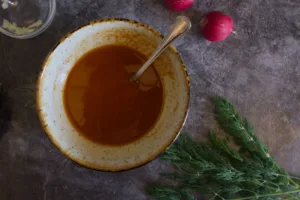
(58, 64)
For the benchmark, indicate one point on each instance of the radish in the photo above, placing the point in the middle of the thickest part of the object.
(178, 5)
(216, 26)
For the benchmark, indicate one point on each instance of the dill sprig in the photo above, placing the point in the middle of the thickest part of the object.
(220, 172)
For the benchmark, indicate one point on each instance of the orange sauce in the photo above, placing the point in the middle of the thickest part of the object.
(103, 104)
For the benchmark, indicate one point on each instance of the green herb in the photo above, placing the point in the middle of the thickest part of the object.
(220, 172)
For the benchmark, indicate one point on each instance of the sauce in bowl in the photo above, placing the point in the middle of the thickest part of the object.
(103, 104)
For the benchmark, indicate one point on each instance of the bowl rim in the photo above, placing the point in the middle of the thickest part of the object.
(38, 93)
(39, 30)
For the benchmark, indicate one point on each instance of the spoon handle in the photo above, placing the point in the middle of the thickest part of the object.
(181, 25)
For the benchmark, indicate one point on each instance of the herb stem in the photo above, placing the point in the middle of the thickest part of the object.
(267, 195)
(294, 177)
(294, 183)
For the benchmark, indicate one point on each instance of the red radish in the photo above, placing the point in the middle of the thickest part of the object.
(216, 26)
(178, 5)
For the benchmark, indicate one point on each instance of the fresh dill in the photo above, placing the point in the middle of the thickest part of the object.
(220, 172)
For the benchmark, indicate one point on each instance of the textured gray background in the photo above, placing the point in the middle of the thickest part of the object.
(258, 69)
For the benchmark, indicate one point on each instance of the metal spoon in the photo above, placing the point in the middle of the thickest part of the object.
(181, 25)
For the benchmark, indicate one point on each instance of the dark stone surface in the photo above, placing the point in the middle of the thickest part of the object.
(258, 69)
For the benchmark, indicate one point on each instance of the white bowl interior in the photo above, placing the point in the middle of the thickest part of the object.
(51, 86)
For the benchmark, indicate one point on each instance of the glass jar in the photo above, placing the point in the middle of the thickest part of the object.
(25, 19)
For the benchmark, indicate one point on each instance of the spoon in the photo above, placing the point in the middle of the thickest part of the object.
(181, 25)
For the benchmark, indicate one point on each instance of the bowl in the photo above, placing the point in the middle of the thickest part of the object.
(50, 88)
(24, 19)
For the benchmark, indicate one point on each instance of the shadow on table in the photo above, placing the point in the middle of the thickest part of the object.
(5, 113)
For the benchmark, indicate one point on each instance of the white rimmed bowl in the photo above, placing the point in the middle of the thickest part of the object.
(54, 73)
